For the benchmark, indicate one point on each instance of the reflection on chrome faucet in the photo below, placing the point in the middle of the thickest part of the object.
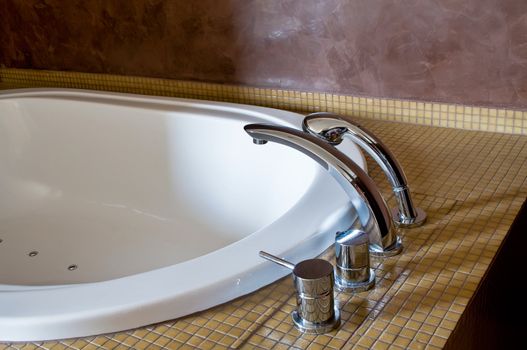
(332, 128)
(371, 208)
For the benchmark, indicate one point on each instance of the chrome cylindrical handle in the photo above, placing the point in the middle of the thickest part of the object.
(313, 279)
(353, 273)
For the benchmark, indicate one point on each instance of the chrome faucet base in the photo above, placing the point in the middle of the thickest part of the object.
(355, 287)
(393, 250)
(316, 327)
(418, 220)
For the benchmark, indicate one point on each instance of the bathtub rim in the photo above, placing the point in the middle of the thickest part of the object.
(149, 297)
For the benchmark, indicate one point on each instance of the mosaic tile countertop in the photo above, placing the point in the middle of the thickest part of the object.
(470, 183)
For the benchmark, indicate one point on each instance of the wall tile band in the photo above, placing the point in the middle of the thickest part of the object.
(456, 116)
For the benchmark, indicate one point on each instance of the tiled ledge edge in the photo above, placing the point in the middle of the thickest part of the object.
(416, 112)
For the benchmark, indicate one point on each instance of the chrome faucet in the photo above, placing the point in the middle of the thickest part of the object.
(332, 128)
(372, 211)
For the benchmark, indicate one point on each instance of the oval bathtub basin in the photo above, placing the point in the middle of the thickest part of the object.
(118, 210)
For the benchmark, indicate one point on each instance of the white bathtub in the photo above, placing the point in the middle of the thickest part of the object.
(117, 210)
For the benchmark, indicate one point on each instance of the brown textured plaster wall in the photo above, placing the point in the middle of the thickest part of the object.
(470, 51)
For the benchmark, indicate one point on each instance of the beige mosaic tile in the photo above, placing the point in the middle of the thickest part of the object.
(405, 111)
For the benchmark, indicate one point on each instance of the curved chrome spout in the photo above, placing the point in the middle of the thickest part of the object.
(371, 208)
(332, 128)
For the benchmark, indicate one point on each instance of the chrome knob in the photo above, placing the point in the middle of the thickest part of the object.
(353, 272)
(313, 279)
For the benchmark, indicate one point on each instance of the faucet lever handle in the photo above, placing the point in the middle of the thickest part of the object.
(277, 260)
